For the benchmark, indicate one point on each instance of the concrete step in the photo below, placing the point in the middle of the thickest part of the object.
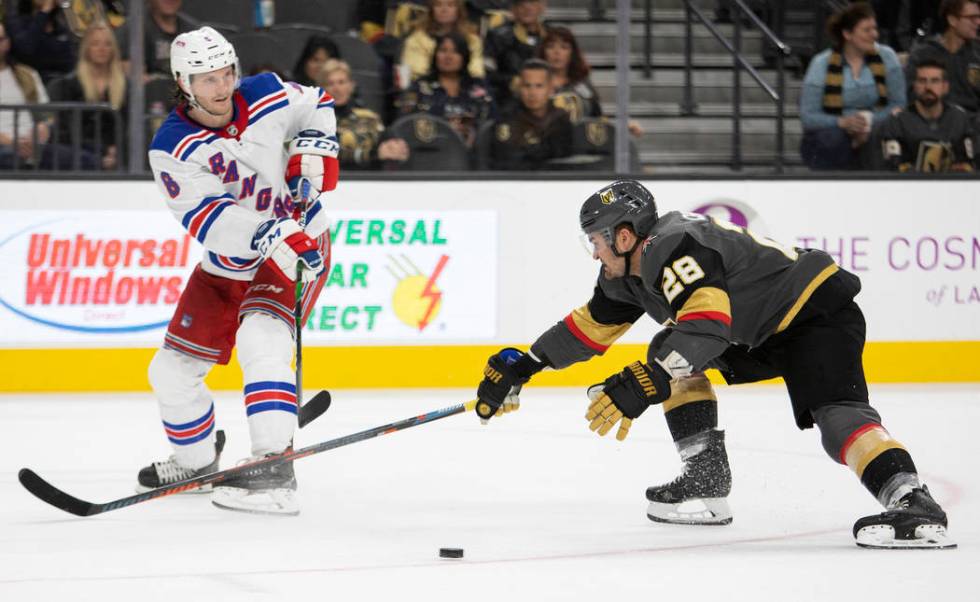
(662, 59)
(700, 134)
(581, 14)
(602, 38)
(691, 162)
(710, 86)
(640, 110)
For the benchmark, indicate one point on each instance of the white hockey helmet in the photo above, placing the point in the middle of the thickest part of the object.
(201, 51)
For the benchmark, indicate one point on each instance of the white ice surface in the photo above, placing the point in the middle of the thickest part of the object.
(544, 509)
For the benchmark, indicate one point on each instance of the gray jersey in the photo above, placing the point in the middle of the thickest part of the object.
(711, 283)
(962, 70)
(910, 142)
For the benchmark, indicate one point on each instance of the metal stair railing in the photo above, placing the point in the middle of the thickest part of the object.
(778, 96)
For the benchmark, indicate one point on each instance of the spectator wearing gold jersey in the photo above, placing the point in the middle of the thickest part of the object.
(359, 129)
(443, 17)
(450, 92)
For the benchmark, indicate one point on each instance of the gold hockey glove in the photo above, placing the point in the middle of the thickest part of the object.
(624, 396)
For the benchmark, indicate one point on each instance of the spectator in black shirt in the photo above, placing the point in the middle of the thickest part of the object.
(162, 25)
(931, 135)
(957, 47)
(534, 131)
(318, 50)
(41, 38)
(98, 78)
(508, 46)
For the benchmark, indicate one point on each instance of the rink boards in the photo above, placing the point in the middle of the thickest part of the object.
(428, 278)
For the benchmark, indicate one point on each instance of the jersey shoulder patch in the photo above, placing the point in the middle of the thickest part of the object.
(179, 137)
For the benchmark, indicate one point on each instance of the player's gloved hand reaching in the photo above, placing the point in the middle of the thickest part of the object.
(624, 396)
(506, 372)
(285, 243)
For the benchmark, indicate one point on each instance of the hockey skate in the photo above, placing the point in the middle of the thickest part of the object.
(265, 490)
(697, 496)
(160, 474)
(915, 521)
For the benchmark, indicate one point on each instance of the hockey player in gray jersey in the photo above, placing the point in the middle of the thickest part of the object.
(930, 135)
(748, 307)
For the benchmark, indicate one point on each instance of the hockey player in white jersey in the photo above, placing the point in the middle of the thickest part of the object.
(230, 161)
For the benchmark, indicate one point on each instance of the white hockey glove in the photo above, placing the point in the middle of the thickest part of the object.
(312, 155)
(284, 243)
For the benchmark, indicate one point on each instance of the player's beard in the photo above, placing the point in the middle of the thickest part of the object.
(929, 100)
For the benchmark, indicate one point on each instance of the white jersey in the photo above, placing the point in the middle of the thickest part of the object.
(222, 183)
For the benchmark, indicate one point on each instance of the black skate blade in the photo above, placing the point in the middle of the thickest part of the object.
(46, 492)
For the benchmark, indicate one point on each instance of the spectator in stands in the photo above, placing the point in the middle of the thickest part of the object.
(533, 131)
(363, 144)
(318, 50)
(848, 88)
(574, 91)
(442, 17)
(956, 47)
(41, 38)
(508, 46)
(19, 85)
(569, 75)
(924, 17)
(932, 135)
(98, 78)
(163, 23)
(449, 91)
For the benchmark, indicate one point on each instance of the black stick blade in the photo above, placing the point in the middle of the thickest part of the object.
(46, 492)
(312, 409)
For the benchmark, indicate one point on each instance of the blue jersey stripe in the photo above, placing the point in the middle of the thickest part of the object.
(206, 226)
(171, 133)
(267, 110)
(270, 385)
(259, 86)
(195, 144)
(192, 423)
(189, 216)
(202, 435)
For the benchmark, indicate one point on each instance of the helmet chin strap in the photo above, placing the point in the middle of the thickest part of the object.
(626, 255)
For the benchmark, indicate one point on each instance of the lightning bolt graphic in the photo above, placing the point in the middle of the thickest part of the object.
(428, 293)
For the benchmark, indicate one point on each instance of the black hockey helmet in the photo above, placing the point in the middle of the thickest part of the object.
(622, 202)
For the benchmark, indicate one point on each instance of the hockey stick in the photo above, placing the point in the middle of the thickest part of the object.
(304, 195)
(310, 411)
(47, 492)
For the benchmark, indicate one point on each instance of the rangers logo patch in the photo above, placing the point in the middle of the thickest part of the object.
(186, 320)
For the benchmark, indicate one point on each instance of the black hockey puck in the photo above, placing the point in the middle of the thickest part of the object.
(450, 552)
